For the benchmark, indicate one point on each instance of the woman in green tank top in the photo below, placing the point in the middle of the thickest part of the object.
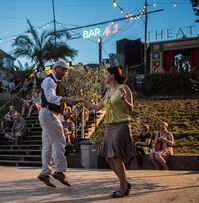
(118, 144)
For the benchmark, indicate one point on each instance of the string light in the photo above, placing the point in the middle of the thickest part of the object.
(115, 4)
(168, 3)
(45, 26)
(127, 14)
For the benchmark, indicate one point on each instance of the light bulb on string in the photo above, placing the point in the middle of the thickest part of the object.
(114, 3)
(127, 15)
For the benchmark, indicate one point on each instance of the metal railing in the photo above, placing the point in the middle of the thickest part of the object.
(14, 100)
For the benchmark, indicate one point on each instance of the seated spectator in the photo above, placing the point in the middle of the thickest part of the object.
(35, 103)
(26, 101)
(69, 129)
(143, 145)
(163, 147)
(67, 111)
(18, 128)
(8, 118)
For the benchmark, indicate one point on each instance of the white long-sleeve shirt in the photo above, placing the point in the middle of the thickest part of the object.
(49, 86)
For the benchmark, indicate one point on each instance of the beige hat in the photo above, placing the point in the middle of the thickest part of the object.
(60, 64)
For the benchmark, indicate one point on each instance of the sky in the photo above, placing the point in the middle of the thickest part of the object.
(176, 19)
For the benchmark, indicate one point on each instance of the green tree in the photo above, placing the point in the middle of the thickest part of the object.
(195, 5)
(85, 82)
(40, 48)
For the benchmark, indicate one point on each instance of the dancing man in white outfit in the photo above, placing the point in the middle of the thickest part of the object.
(53, 138)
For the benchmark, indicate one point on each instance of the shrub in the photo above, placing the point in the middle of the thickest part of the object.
(171, 84)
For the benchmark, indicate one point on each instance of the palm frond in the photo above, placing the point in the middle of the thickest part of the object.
(34, 34)
(41, 47)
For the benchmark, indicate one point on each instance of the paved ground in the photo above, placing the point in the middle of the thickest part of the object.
(19, 184)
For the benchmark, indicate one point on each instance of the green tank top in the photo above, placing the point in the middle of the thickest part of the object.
(116, 111)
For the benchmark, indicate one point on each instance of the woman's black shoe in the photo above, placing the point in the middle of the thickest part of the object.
(119, 194)
(129, 188)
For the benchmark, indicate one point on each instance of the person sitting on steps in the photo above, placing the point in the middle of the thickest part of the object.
(35, 103)
(8, 118)
(18, 129)
(163, 147)
(143, 145)
(69, 129)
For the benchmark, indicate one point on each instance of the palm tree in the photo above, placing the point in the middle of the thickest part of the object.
(195, 5)
(40, 48)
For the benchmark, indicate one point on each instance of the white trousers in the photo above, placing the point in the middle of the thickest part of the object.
(53, 142)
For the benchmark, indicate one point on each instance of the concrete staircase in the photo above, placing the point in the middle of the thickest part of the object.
(27, 151)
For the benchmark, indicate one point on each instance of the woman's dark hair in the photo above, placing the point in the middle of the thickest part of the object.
(117, 71)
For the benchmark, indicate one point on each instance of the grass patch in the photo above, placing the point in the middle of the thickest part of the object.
(181, 115)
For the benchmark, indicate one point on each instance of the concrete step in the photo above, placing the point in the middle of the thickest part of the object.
(33, 132)
(32, 137)
(20, 163)
(29, 142)
(34, 129)
(33, 116)
(19, 157)
(30, 125)
(32, 121)
(20, 151)
(28, 138)
(16, 147)
(27, 152)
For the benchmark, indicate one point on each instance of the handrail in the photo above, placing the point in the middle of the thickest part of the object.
(15, 96)
(22, 89)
